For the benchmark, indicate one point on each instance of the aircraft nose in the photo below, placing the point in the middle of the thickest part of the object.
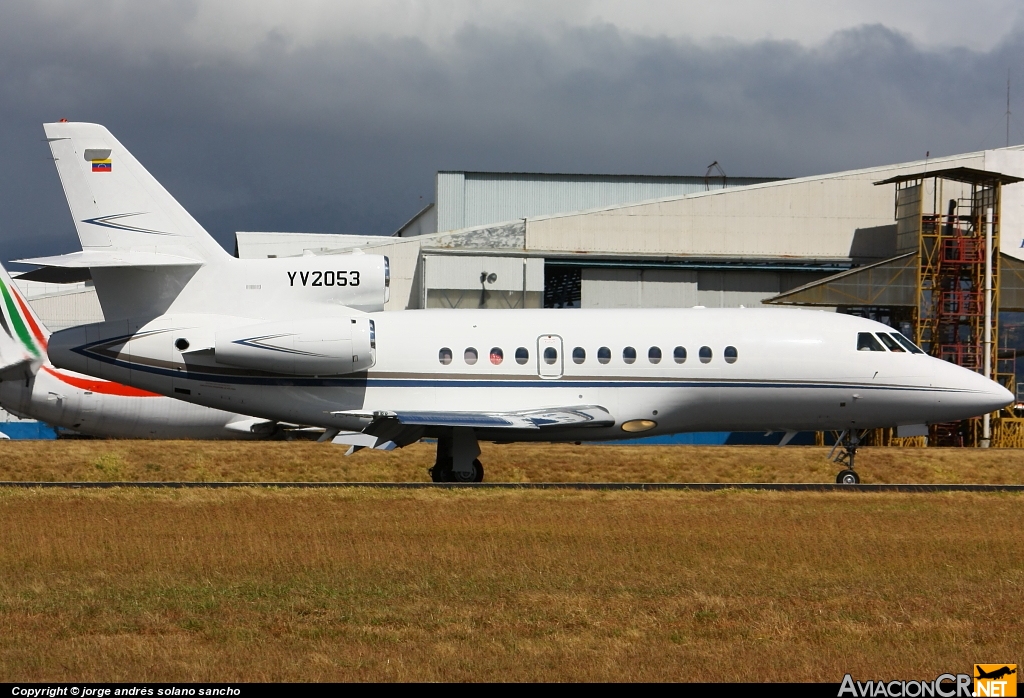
(988, 395)
(1001, 397)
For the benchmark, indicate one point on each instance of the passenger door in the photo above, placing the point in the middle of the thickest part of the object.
(549, 356)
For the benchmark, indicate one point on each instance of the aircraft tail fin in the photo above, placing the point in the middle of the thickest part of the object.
(19, 321)
(117, 205)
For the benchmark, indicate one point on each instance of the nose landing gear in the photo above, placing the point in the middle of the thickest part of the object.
(847, 442)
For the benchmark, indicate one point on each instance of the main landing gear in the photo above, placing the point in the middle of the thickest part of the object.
(457, 458)
(847, 442)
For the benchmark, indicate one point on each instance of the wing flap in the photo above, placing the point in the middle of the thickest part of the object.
(552, 417)
(463, 419)
(561, 417)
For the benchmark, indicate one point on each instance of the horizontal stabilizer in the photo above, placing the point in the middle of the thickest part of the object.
(112, 258)
(56, 275)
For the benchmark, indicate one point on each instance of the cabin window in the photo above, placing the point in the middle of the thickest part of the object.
(470, 356)
(522, 355)
(550, 355)
(445, 356)
(705, 355)
(890, 343)
(907, 344)
(579, 355)
(497, 355)
(679, 354)
(629, 355)
(730, 355)
(604, 355)
(867, 342)
(654, 355)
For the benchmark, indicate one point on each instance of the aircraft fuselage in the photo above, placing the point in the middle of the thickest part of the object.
(744, 369)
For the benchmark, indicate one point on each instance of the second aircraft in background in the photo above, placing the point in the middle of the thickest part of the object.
(33, 388)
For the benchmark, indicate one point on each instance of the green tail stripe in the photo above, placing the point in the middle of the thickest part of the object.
(16, 320)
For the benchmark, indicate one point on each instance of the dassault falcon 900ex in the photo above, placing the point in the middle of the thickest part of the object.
(303, 340)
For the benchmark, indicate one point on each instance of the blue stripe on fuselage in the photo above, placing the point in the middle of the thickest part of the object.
(382, 381)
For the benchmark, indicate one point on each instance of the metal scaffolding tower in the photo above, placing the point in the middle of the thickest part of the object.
(950, 218)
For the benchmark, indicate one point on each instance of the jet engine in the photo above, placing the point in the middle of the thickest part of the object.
(309, 347)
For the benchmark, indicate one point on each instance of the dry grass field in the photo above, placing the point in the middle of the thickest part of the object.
(352, 584)
(312, 462)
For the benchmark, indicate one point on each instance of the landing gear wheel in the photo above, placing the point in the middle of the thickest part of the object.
(847, 444)
(442, 471)
(847, 477)
(477, 475)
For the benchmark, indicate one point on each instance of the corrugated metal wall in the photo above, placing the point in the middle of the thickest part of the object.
(466, 199)
(63, 310)
(60, 306)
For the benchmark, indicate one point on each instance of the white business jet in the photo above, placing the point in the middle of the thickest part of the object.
(33, 388)
(302, 340)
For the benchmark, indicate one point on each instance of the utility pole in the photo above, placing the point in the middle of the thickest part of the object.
(986, 422)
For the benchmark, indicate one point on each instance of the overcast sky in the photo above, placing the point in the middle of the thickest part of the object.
(334, 116)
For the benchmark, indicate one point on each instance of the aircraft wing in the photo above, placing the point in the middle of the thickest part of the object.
(396, 429)
(585, 416)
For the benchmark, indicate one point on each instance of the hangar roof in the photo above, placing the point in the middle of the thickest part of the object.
(967, 175)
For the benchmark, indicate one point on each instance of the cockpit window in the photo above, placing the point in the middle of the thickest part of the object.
(890, 343)
(867, 342)
(907, 344)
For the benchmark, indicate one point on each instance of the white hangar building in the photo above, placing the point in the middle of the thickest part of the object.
(506, 240)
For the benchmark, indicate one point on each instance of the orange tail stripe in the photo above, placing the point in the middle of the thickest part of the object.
(98, 386)
(29, 319)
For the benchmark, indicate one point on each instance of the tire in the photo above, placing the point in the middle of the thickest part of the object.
(847, 477)
(476, 476)
(441, 472)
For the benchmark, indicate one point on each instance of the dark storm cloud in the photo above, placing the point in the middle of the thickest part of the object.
(345, 137)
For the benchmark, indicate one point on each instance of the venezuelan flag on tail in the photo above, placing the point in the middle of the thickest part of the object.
(102, 165)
